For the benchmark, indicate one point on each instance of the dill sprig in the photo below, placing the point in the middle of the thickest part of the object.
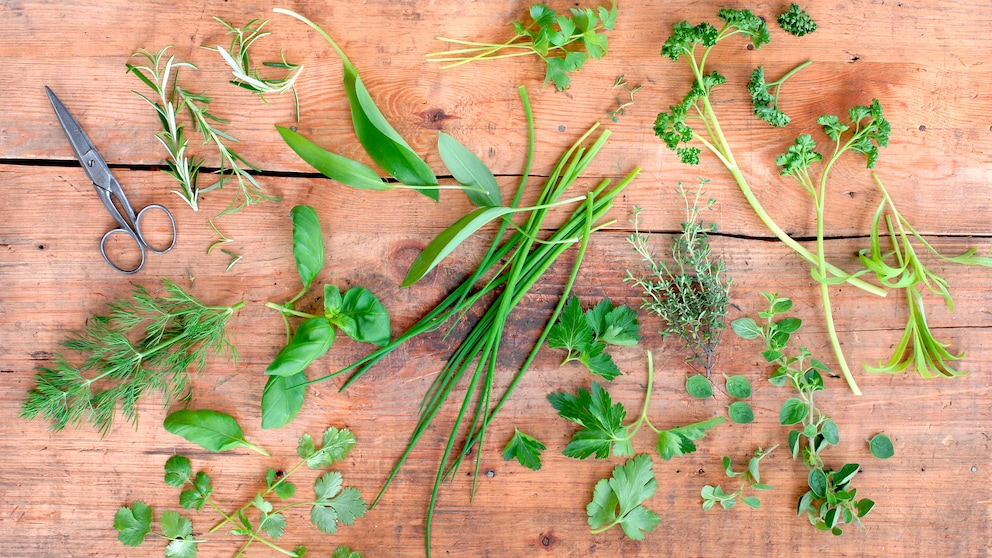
(178, 334)
(690, 294)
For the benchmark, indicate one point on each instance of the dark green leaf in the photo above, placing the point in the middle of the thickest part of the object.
(525, 449)
(336, 167)
(817, 481)
(845, 475)
(362, 317)
(601, 421)
(308, 243)
(738, 387)
(864, 506)
(196, 497)
(133, 523)
(699, 386)
(615, 326)
(619, 500)
(881, 446)
(311, 341)
(482, 188)
(282, 399)
(793, 411)
(830, 432)
(681, 440)
(211, 430)
(571, 332)
(740, 412)
(794, 442)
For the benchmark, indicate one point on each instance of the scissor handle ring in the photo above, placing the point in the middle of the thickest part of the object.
(141, 248)
(141, 238)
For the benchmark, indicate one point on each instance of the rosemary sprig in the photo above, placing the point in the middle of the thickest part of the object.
(690, 294)
(248, 77)
(173, 99)
(161, 78)
(178, 334)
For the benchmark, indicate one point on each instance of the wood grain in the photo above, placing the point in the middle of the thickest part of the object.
(926, 61)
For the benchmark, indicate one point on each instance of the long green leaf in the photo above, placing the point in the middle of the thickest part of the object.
(308, 243)
(336, 167)
(449, 239)
(282, 399)
(312, 339)
(469, 170)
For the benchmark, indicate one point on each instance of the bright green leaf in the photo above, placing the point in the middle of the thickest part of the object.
(525, 449)
(481, 186)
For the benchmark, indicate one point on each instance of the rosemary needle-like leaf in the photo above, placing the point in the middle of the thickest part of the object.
(178, 334)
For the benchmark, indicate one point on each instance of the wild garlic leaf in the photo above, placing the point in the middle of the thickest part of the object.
(334, 504)
(348, 172)
(619, 500)
(525, 449)
(211, 430)
(133, 523)
(481, 187)
(308, 243)
(602, 431)
(282, 399)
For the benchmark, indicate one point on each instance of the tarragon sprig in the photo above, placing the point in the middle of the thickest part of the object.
(178, 334)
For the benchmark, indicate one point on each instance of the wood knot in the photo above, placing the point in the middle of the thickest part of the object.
(433, 119)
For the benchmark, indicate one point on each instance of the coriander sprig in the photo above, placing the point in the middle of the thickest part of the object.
(551, 36)
(179, 332)
(691, 294)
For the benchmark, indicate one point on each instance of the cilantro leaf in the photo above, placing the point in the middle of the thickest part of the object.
(133, 523)
(345, 552)
(273, 524)
(680, 440)
(601, 420)
(198, 495)
(180, 530)
(334, 504)
(178, 469)
(525, 448)
(618, 500)
(335, 446)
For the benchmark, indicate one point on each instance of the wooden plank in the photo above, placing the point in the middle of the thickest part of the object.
(924, 61)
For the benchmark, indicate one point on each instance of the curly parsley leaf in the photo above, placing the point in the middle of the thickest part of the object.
(796, 21)
(619, 499)
(335, 504)
(525, 449)
(601, 420)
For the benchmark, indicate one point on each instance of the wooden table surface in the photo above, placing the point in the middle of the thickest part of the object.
(927, 62)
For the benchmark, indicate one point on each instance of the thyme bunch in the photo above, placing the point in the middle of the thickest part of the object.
(690, 294)
(178, 334)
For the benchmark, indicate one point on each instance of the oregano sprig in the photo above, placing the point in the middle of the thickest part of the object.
(749, 477)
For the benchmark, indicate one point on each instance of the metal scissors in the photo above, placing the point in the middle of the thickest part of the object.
(109, 190)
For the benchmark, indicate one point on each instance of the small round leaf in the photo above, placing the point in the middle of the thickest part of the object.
(699, 386)
(740, 412)
(738, 387)
(881, 446)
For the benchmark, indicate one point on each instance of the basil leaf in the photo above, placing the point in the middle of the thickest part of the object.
(282, 399)
(211, 430)
(449, 239)
(470, 171)
(361, 316)
(312, 339)
(332, 301)
(308, 243)
(336, 167)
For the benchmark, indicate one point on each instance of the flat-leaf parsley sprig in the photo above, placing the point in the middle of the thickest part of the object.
(178, 334)
(553, 37)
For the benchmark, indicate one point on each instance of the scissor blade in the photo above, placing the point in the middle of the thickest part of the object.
(91, 160)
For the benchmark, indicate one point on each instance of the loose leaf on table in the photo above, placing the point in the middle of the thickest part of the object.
(740, 412)
(482, 188)
(180, 530)
(282, 399)
(345, 552)
(211, 430)
(450, 238)
(619, 500)
(699, 386)
(881, 446)
(311, 341)
(525, 448)
(334, 504)
(383, 144)
(358, 313)
(335, 446)
(680, 440)
(133, 523)
(308, 243)
(347, 171)
(602, 429)
(738, 387)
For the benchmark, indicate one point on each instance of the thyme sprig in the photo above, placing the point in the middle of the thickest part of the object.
(179, 332)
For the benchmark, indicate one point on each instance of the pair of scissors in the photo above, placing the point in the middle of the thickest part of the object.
(109, 190)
